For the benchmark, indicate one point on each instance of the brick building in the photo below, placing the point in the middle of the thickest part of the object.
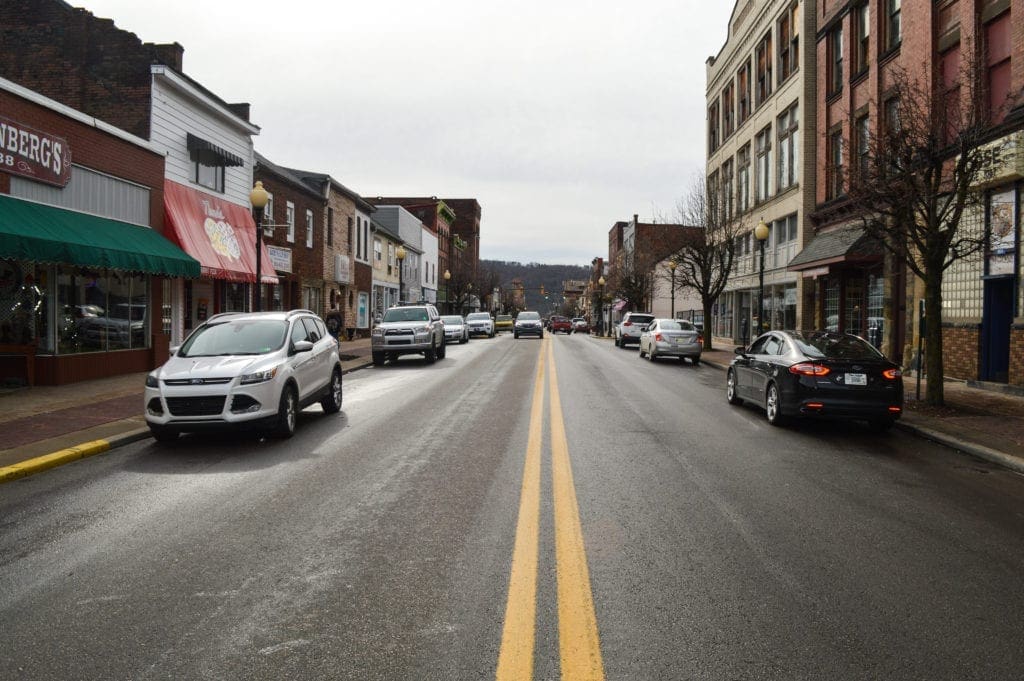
(84, 260)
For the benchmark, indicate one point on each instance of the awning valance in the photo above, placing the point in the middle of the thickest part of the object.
(208, 152)
(47, 234)
(219, 234)
(845, 245)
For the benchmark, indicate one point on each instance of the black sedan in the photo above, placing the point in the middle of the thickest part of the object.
(817, 374)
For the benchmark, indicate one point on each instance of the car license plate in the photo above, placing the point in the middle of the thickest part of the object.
(856, 379)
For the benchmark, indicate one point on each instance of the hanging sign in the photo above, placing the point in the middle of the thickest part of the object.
(28, 152)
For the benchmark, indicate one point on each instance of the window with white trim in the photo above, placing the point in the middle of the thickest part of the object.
(309, 229)
(289, 217)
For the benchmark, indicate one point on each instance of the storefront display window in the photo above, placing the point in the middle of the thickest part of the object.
(235, 297)
(101, 310)
(831, 310)
(723, 316)
(853, 321)
(876, 320)
(23, 304)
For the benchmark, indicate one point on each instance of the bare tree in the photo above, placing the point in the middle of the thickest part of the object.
(705, 262)
(915, 177)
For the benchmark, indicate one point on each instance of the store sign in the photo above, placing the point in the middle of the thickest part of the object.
(31, 153)
(281, 258)
(1002, 244)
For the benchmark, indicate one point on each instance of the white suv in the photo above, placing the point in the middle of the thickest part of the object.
(632, 325)
(245, 369)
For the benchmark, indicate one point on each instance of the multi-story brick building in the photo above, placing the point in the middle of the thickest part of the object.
(760, 151)
(439, 217)
(856, 286)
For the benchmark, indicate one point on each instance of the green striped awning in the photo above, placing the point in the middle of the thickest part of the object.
(46, 234)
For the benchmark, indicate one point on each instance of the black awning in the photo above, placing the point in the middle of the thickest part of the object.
(850, 244)
(210, 154)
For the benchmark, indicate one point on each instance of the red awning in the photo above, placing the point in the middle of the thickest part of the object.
(219, 234)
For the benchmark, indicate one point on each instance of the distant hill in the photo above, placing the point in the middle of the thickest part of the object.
(533, 276)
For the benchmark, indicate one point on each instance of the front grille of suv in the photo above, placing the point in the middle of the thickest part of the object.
(196, 406)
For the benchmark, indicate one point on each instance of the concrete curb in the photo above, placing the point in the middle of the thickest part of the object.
(981, 451)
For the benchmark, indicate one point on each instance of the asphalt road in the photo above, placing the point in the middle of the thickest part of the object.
(646, 529)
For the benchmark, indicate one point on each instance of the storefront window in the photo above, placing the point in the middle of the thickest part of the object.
(101, 310)
(235, 297)
(854, 313)
(723, 316)
(831, 304)
(23, 304)
(876, 321)
(311, 299)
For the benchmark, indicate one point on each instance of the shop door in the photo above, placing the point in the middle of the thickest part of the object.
(995, 330)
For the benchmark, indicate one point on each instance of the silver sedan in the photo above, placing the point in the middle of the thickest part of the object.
(671, 338)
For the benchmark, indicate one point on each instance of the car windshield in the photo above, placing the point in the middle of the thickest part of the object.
(452, 319)
(641, 318)
(528, 316)
(504, 317)
(406, 314)
(673, 325)
(826, 345)
(256, 337)
(478, 316)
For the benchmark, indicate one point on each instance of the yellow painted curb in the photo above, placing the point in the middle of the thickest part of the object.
(41, 463)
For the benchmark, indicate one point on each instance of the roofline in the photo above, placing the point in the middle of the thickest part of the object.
(183, 83)
(76, 115)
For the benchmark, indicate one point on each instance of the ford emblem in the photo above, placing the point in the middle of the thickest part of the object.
(196, 381)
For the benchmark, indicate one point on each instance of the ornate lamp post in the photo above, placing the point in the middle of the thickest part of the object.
(600, 309)
(400, 254)
(761, 234)
(672, 265)
(447, 278)
(258, 197)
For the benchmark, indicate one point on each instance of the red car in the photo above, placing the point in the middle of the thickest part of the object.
(562, 324)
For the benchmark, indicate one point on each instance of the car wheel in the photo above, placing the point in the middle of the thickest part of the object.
(287, 414)
(772, 408)
(641, 351)
(443, 350)
(616, 342)
(378, 359)
(163, 434)
(431, 354)
(515, 334)
(541, 335)
(695, 361)
(651, 355)
(490, 335)
(730, 388)
(332, 403)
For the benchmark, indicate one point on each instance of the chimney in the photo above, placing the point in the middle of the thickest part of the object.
(240, 109)
(170, 54)
(636, 219)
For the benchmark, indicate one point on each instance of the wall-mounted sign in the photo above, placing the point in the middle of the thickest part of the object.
(280, 257)
(31, 153)
(1002, 242)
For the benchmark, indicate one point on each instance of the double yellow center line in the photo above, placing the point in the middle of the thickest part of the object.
(579, 645)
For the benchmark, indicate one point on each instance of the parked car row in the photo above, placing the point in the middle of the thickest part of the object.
(788, 374)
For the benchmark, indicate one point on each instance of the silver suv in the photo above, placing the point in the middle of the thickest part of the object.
(407, 330)
(630, 328)
(247, 370)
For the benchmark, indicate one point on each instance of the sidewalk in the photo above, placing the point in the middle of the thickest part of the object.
(64, 423)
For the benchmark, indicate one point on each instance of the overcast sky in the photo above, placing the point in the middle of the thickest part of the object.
(560, 117)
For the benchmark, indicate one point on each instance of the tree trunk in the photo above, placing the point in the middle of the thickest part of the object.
(933, 340)
(707, 323)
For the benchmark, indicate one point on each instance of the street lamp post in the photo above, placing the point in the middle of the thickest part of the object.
(400, 254)
(672, 264)
(447, 302)
(258, 197)
(761, 234)
(600, 309)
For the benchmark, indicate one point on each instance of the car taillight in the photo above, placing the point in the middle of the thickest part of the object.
(809, 369)
(658, 337)
(892, 374)
(700, 340)
(627, 323)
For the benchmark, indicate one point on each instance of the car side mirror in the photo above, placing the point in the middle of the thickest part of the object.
(174, 350)
(302, 346)
(740, 350)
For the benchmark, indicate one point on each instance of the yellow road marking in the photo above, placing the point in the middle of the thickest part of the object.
(41, 463)
(515, 660)
(579, 644)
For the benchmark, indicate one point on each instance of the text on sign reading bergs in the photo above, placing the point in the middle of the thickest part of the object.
(220, 232)
(34, 154)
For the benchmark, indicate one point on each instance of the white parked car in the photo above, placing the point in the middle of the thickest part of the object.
(455, 328)
(629, 329)
(247, 370)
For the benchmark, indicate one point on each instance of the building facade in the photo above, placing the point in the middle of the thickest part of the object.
(760, 151)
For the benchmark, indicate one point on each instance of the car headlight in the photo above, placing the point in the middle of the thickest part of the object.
(377, 332)
(152, 381)
(259, 376)
(423, 331)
